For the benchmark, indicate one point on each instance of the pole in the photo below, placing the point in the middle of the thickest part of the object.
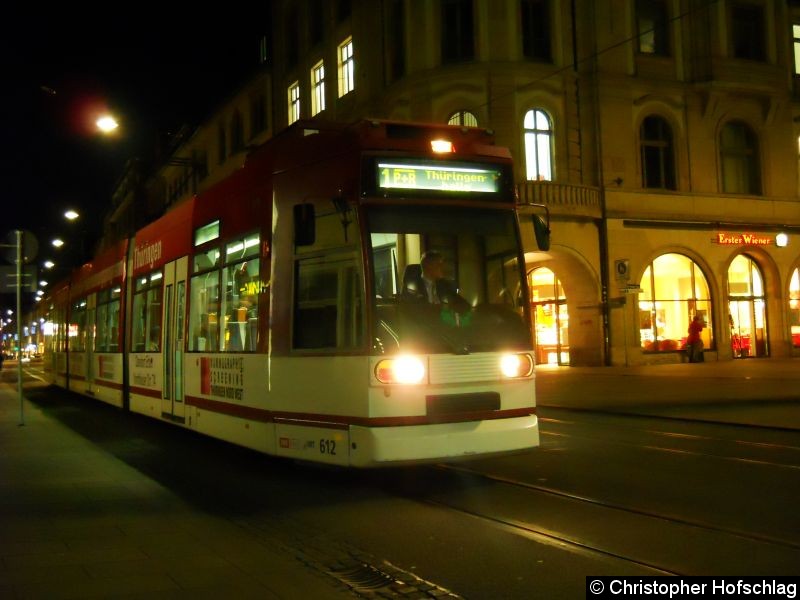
(19, 328)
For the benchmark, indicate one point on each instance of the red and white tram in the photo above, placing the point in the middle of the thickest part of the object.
(273, 310)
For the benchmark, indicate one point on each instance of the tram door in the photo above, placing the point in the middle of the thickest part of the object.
(173, 334)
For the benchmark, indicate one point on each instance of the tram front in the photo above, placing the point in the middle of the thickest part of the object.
(452, 365)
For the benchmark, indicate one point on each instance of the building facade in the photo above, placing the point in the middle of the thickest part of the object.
(661, 134)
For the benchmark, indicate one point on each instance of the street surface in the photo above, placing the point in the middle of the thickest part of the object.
(607, 493)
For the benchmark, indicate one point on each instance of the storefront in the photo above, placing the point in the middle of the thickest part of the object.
(744, 286)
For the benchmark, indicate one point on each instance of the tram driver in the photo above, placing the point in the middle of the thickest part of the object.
(432, 285)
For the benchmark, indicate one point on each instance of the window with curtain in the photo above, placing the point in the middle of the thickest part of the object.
(538, 146)
(317, 88)
(738, 149)
(658, 161)
(293, 96)
(347, 82)
(674, 291)
(652, 19)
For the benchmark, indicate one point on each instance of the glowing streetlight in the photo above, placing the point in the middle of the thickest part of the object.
(49, 264)
(107, 124)
(57, 243)
(71, 215)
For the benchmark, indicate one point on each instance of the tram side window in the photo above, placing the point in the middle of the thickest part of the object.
(77, 327)
(224, 298)
(327, 312)
(107, 339)
(147, 305)
(242, 286)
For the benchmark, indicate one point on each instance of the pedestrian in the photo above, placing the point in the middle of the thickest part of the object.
(694, 343)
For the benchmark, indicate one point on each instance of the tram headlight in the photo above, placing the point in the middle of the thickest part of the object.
(403, 369)
(516, 365)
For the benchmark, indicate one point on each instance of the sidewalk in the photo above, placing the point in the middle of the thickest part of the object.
(78, 522)
(758, 392)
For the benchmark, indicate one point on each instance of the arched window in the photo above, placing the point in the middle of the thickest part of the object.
(674, 291)
(463, 117)
(747, 308)
(738, 150)
(794, 307)
(538, 146)
(658, 162)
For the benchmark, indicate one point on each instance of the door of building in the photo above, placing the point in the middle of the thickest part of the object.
(747, 314)
(550, 317)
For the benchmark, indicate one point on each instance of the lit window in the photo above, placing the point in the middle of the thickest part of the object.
(538, 146)
(294, 102)
(317, 88)
(347, 81)
(674, 291)
(796, 42)
(463, 117)
(794, 307)
(653, 23)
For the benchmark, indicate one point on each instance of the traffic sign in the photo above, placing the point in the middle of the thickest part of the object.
(8, 279)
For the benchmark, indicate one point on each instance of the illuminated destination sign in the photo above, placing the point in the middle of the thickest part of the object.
(743, 239)
(438, 177)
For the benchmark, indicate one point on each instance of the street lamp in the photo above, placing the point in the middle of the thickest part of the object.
(107, 124)
(57, 243)
(71, 215)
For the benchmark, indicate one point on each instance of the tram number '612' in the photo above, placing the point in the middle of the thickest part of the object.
(327, 447)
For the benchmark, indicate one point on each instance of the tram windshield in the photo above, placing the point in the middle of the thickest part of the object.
(477, 305)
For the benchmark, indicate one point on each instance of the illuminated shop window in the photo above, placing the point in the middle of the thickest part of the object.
(347, 82)
(794, 307)
(463, 117)
(538, 146)
(317, 88)
(294, 102)
(674, 290)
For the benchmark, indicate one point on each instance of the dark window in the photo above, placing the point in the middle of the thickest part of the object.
(395, 41)
(316, 22)
(458, 35)
(343, 9)
(258, 114)
(535, 20)
(658, 162)
(747, 28)
(237, 133)
(292, 39)
(221, 144)
(653, 23)
(741, 171)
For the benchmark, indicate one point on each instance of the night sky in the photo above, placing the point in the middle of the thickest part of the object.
(154, 72)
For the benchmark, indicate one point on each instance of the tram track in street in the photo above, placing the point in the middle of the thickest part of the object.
(579, 531)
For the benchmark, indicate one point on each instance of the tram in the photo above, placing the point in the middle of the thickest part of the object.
(276, 311)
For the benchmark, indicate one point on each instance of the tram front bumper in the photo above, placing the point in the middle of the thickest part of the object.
(387, 446)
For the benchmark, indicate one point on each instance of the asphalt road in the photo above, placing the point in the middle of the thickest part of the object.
(606, 494)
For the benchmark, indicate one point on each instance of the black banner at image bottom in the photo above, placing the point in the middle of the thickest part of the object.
(777, 588)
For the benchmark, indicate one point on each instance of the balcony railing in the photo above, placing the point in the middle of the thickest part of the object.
(561, 198)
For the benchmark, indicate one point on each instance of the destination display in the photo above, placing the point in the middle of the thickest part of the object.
(437, 176)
